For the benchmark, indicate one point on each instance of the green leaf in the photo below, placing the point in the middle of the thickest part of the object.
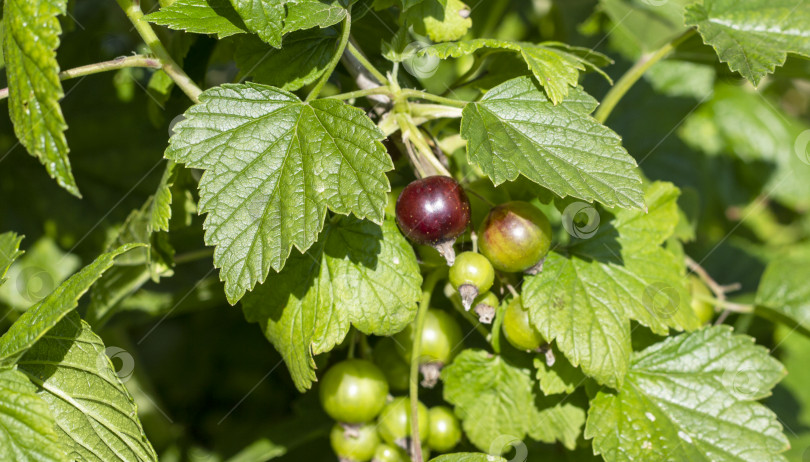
(515, 129)
(306, 14)
(440, 22)
(136, 268)
(555, 65)
(31, 38)
(200, 17)
(793, 351)
(357, 274)
(742, 123)
(96, 417)
(9, 251)
(467, 457)
(647, 24)
(173, 198)
(585, 299)
(678, 388)
(2, 34)
(161, 206)
(753, 37)
(40, 318)
(301, 61)
(37, 273)
(682, 79)
(783, 291)
(264, 18)
(496, 403)
(273, 165)
(562, 422)
(26, 424)
(560, 377)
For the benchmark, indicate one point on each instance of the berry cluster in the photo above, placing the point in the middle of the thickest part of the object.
(372, 424)
(434, 211)
(513, 238)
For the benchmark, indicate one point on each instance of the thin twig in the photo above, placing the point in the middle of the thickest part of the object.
(95, 68)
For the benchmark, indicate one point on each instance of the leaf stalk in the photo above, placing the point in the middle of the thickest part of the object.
(96, 68)
(419, 324)
(626, 82)
(330, 68)
(132, 8)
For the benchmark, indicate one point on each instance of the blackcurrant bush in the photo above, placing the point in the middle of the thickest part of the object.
(445, 430)
(434, 211)
(518, 329)
(515, 236)
(353, 391)
(354, 444)
(471, 274)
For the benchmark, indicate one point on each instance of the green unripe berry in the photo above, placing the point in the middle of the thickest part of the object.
(394, 422)
(445, 430)
(356, 445)
(441, 338)
(518, 329)
(472, 268)
(700, 294)
(353, 391)
(471, 274)
(388, 453)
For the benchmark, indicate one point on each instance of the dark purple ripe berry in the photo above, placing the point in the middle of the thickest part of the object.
(434, 211)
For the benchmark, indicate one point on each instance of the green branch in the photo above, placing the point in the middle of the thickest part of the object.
(344, 40)
(358, 55)
(410, 93)
(361, 93)
(626, 82)
(132, 8)
(95, 68)
(419, 324)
